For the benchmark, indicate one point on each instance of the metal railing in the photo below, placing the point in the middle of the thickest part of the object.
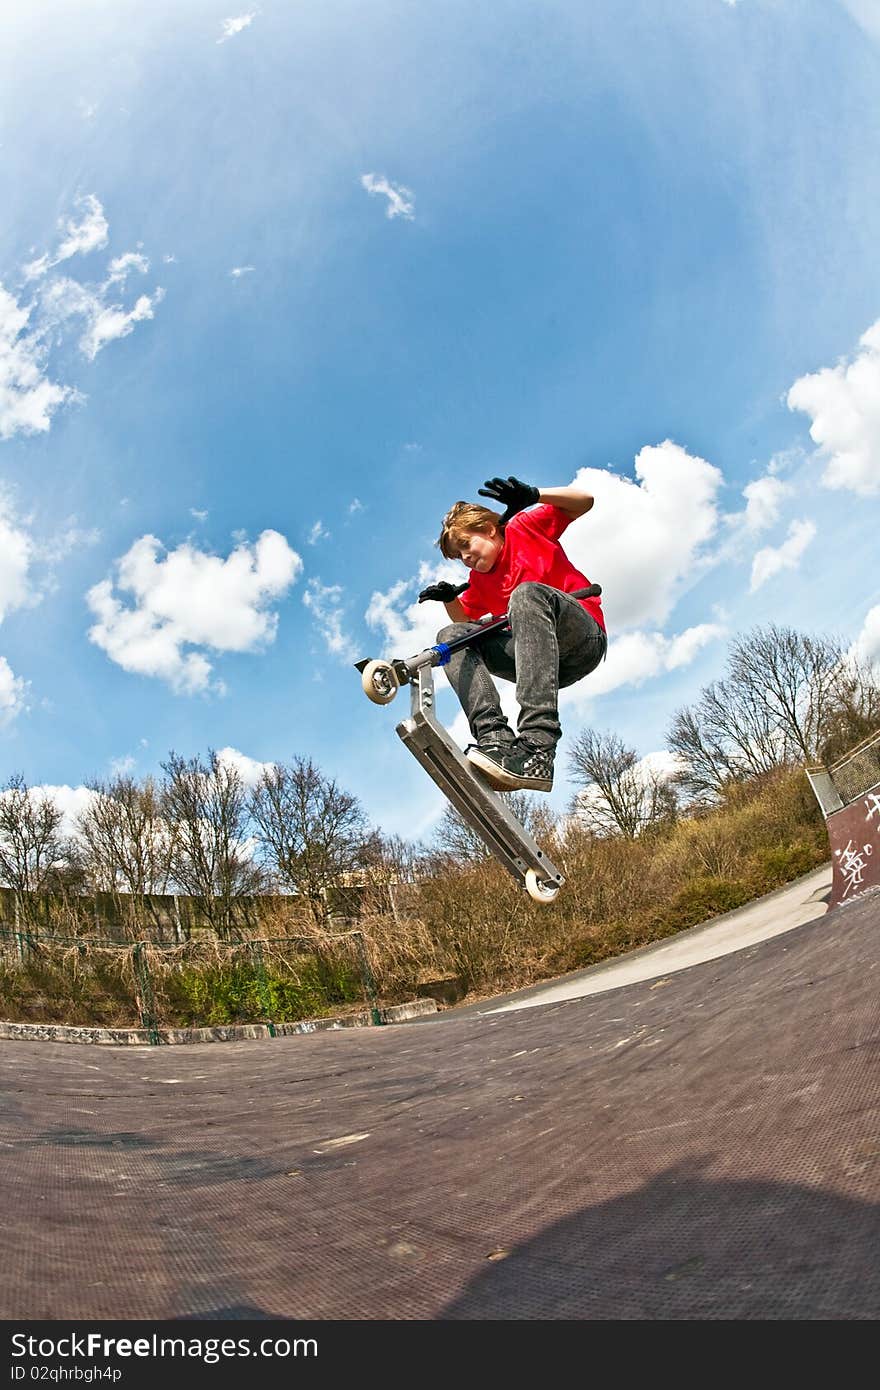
(848, 777)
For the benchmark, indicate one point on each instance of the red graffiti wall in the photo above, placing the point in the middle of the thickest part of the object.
(854, 835)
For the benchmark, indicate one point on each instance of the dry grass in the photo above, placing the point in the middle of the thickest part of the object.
(472, 923)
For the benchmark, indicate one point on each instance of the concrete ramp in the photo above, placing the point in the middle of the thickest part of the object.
(778, 912)
(704, 1144)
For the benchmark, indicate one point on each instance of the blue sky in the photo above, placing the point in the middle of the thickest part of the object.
(281, 282)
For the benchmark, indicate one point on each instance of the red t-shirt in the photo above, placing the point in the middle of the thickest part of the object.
(531, 552)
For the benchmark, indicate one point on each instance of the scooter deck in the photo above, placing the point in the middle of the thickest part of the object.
(480, 806)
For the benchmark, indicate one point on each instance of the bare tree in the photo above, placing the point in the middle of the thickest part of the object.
(621, 793)
(31, 844)
(314, 836)
(792, 679)
(455, 839)
(392, 867)
(855, 713)
(397, 859)
(127, 847)
(728, 736)
(206, 805)
(787, 698)
(705, 766)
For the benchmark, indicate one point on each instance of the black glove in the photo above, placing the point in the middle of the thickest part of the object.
(514, 494)
(443, 591)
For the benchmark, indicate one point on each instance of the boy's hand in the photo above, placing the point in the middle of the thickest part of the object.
(514, 494)
(442, 591)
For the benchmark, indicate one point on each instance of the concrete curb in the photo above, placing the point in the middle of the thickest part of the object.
(141, 1037)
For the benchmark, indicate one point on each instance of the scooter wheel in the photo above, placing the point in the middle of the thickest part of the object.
(380, 682)
(539, 889)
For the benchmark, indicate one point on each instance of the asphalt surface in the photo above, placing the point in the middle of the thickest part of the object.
(702, 1144)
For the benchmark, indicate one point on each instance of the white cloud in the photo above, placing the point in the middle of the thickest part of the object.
(13, 694)
(199, 515)
(113, 322)
(34, 269)
(16, 557)
(64, 299)
(409, 626)
(635, 657)
(249, 769)
(29, 332)
(231, 27)
(71, 802)
(399, 198)
(355, 505)
(844, 405)
(28, 399)
(645, 542)
(120, 267)
(89, 234)
(20, 554)
(662, 764)
(185, 601)
(238, 270)
(764, 498)
(120, 766)
(681, 649)
(866, 647)
(58, 547)
(787, 556)
(325, 603)
(318, 533)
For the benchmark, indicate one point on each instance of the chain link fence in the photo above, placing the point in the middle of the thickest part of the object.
(848, 777)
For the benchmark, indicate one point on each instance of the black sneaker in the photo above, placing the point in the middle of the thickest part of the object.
(488, 757)
(520, 767)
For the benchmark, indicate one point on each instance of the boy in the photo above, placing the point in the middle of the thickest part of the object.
(517, 566)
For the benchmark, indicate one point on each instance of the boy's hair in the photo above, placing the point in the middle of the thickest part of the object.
(461, 521)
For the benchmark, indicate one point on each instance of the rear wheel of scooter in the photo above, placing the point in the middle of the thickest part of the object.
(380, 682)
(539, 889)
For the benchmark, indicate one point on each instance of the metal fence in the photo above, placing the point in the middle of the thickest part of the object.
(848, 778)
(204, 981)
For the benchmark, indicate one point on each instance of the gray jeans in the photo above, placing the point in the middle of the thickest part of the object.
(552, 642)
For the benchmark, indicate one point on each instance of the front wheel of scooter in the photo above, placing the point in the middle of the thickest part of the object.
(539, 890)
(380, 683)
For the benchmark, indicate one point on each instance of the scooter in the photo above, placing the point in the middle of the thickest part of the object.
(483, 809)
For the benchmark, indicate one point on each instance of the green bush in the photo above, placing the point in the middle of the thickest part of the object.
(239, 993)
(698, 901)
(776, 865)
(99, 989)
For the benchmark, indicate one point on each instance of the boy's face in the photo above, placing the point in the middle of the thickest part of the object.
(480, 549)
